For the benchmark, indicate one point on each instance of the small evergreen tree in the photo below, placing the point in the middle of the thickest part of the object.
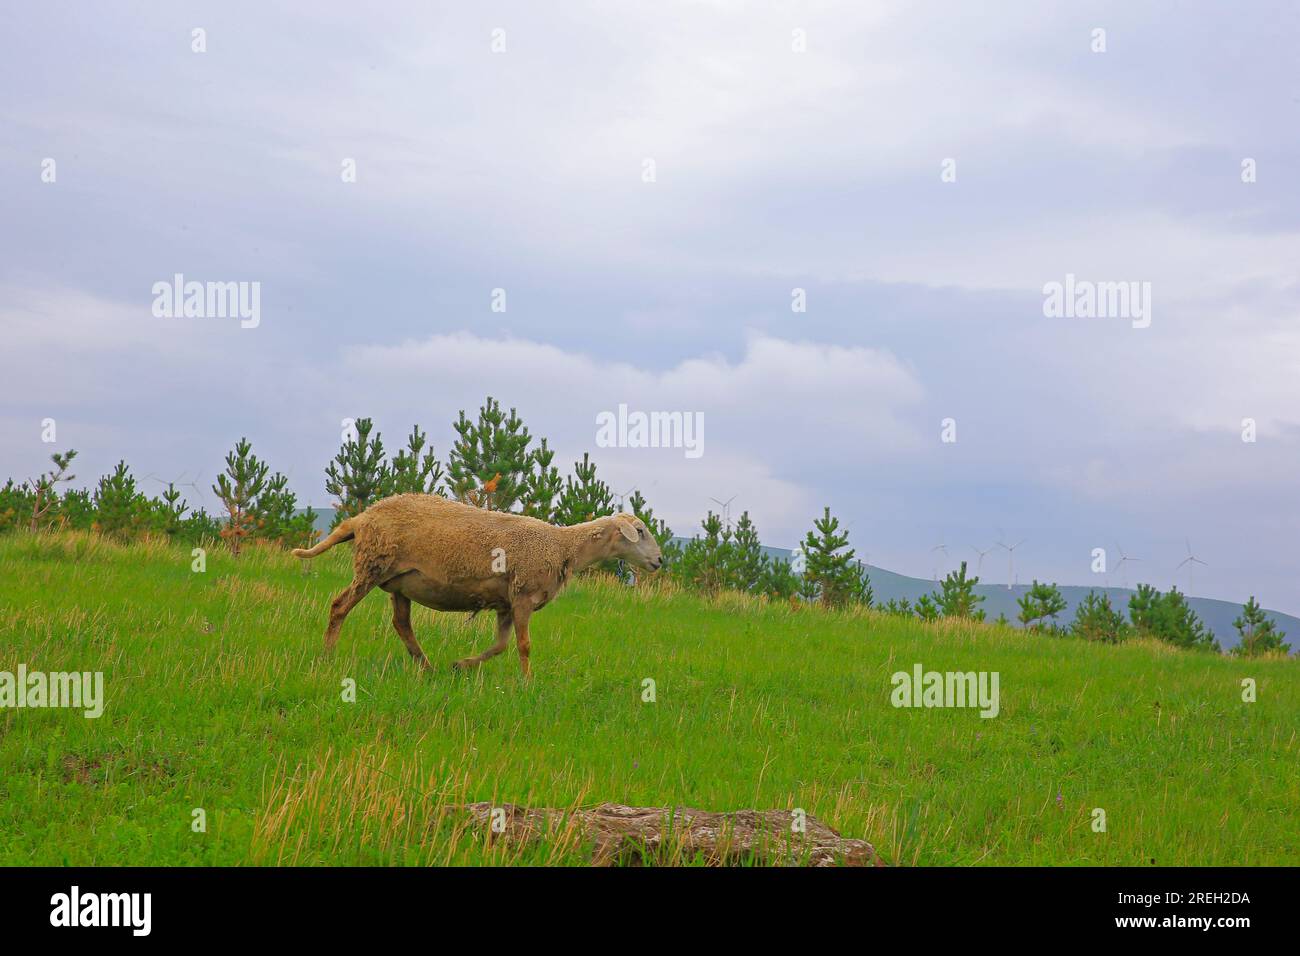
(863, 593)
(1169, 618)
(238, 490)
(585, 497)
(15, 505)
(1182, 625)
(926, 609)
(493, 448)
(173, 511)
(76, 510)
(901, 607)
(45, 491)
(1143, 608)
(704, 561)
(780, 583)
(118, 504)
(1259, 633)
(543, 486)
(957, 597)
(273, 514)
(830, 572)
(201, 527)
(808, 590)
(746, 563)
(415, 469)
(359, 475)
(1096, 620)
(1040, 602)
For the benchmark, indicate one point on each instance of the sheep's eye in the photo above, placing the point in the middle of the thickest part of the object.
(640, 532)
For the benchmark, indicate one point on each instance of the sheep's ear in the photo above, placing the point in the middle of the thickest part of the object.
(629, 532)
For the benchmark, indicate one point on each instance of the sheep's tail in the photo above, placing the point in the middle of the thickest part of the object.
(344, 532)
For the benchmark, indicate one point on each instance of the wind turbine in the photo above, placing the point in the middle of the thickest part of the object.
(199, 494)
(726, 508)
(1122, 558)
(944, 549)
(979, 567)
(1011, 558)
(1190, 561)
(619, 498)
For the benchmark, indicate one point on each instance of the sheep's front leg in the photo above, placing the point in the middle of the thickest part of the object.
(503, 638)
(402, 624)
(522, 641)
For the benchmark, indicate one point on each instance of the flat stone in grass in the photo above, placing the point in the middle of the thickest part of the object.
(667, 835)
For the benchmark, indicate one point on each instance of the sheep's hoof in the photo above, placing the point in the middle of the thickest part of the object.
(460, 665)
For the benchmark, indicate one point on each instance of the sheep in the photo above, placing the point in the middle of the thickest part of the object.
(455, 557)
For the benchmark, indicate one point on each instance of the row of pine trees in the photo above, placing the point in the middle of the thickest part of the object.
(494, 463)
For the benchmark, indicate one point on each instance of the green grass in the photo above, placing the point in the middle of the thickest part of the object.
(218, 697)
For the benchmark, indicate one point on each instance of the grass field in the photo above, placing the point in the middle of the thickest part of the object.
(218, 697)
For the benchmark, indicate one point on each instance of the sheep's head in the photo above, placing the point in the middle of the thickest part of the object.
(631, 540)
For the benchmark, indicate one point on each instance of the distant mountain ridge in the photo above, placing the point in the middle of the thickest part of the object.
(998, 599)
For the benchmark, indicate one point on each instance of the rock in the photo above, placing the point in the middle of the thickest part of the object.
(663, 835)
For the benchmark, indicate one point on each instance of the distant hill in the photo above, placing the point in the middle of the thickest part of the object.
(998, 599)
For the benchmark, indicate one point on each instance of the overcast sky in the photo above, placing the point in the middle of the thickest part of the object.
(523, 169)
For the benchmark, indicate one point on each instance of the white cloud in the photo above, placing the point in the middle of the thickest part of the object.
(834, 406)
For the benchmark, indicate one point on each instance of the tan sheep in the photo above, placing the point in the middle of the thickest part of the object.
(454, 557)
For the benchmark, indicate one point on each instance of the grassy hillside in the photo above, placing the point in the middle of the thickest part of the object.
(218, 698)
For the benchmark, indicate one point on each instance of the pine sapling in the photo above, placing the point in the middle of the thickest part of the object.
(359, 475)
(830, 573)
(1258, 632)
(44, 489)
(543, 485)
(174, 509)
(585, 497)
(238, 490)
(494, 447)
(119, 506)
(957, 597)
(415, 469)
(1096, 620)
(1040, 602)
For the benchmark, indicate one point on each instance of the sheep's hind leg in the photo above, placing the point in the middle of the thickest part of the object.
(522, 640)
(402, 624)
(503, 638)
(346, 600)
